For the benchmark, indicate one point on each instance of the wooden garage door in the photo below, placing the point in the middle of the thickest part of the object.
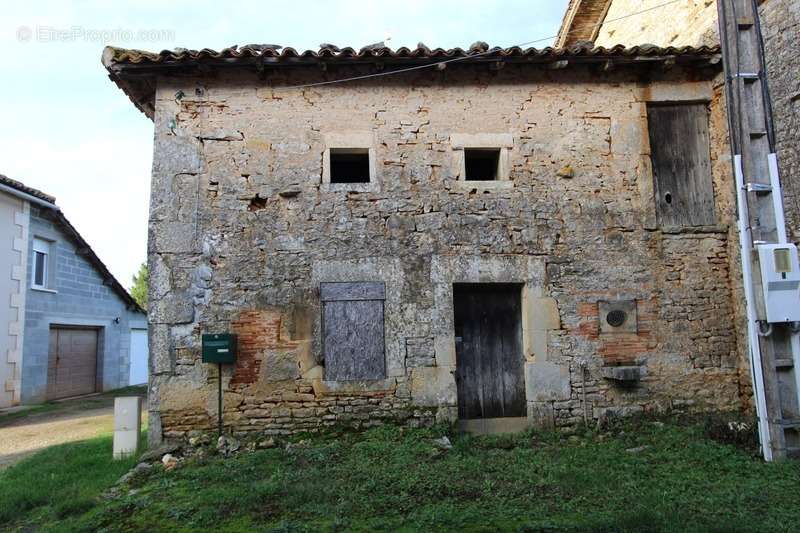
(72, 366)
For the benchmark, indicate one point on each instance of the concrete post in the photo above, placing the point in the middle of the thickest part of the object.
(127, 425)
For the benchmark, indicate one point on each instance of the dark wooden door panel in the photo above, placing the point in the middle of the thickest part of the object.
(72, 364)
(680, 154)
(489, 357)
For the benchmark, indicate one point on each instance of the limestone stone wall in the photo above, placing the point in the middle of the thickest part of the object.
(689, 22)
(243, 230)
(780, 20)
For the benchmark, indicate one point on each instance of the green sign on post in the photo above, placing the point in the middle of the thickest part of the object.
(219, 348)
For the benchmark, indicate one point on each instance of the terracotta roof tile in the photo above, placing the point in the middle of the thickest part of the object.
(113, 56)
(134, 70)
(21, 187)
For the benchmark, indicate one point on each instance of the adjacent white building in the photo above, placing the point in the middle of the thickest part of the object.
(67, 326)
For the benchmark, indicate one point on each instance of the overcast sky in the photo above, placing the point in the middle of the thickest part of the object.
(66, 129)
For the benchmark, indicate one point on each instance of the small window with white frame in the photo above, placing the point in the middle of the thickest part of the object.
(41, 263)
(482, 159)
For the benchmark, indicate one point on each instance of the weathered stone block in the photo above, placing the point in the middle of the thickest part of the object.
(181, 395)
(445, 350)
(537, 344)
(177, 155)
(343, 388)
(433, 386)
(174, 308)
(623, 373)
(172, 237)
(543, 313)
(160, 346)
(547, 381)
(280, 365)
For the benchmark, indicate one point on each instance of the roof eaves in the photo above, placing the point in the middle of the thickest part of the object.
(135, 71)
(30, 191)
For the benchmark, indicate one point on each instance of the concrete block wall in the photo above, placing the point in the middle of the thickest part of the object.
(242, 230)
(76, 297)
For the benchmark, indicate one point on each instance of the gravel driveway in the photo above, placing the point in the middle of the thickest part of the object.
(70, 421)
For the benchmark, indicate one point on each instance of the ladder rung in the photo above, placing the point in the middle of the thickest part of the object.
(758, 187)
(784, 363)
(789, 422)
(744, 23)
(757, 134)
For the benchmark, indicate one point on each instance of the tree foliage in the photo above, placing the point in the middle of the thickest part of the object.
(139, 287)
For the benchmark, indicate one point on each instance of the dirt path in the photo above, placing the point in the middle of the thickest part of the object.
(75, 420)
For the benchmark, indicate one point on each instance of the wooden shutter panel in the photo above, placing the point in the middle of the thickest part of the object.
(679, 150)
(353, 334)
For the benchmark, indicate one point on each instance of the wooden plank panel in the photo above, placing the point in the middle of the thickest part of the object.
(490, 361)
(51, 363)
(347, 291)
(353, 340)
(73, 359)
(468, 341)
(680, 155)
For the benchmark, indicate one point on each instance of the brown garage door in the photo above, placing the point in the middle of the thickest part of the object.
(72, 366)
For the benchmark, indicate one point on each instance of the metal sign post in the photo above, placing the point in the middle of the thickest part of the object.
(219, 348)
(219, 398)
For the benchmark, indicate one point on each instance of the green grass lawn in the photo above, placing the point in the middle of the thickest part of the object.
(390, 479)
(57, 483)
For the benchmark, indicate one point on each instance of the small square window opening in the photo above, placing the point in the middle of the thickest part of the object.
(349, 165)
(481, 164)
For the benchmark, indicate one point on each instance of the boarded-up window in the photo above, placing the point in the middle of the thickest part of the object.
(679, 149)
(352, 330)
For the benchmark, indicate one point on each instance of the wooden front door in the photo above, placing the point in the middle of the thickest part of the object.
(489, 358)
(72, 364)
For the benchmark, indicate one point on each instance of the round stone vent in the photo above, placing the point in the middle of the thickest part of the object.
(616, 317)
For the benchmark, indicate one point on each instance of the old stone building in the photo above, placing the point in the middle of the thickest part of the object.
(515, 237)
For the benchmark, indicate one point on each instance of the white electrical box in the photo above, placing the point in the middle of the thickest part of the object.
(780, 279)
